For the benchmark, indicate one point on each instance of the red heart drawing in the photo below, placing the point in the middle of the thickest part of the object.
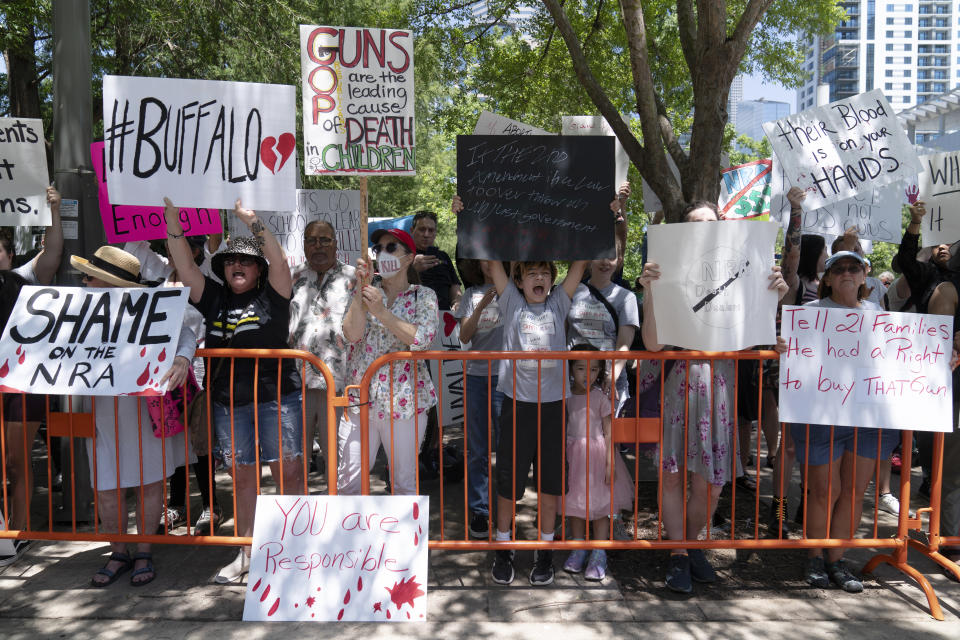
(449, 322)
(285, 146)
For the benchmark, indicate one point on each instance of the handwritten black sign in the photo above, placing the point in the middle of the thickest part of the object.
(536, 197)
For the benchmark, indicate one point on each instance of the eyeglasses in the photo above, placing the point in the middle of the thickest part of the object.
(322, 242)
(390, 247)
(243, 261)
(849, 268)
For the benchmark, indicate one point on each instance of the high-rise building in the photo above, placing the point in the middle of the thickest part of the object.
(910, 50)
(733, 100)
(751, 114)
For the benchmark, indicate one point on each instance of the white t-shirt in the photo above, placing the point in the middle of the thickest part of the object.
(489, 333)
(589, 321)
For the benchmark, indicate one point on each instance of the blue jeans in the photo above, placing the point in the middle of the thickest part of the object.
(478, 477)
(245, 445)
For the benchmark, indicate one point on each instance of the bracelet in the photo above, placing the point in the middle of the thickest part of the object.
(174, 236)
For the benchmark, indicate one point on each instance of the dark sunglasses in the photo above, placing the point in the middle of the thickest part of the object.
(243, 261)
(390, 247)
(322, 242)
(849, 268)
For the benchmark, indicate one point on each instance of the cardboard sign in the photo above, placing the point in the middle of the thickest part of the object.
(535, 197)
(93, 342)
(451, 394)
(598, 126)
(845, 148)
(358, 106)
(939, 189)
(746, 191)
(342, 209)
(713, 291)
(23, 173)
(861, 368)
(330, 558)
(123, 223)
(202, 143)
(491, 124)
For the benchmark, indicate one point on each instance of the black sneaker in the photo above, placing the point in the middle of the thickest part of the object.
(700, 569)
(816, 573)
(841, 576)
(208, 522)
(678, 574)
(478, 526)
(776, 517)
(19, 548)
(502, 571)
(542, 572)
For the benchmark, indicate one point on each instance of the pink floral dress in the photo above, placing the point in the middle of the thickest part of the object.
(418, 306)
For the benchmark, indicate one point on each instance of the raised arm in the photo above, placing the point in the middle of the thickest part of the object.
(574, 276)
(468, 325)
(790, 261)
(355, 319)
(187, 270)
(651, 272)
(278, 275)
(47, 262)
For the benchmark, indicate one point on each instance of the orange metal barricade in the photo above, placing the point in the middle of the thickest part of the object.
(449, 506)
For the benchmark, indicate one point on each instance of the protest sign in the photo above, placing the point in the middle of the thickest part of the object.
(202, 143)
(598, 126)
(94, 342)
(746, 191)
(448, 339)
(339, 208)
(358, 106)
(329, 558)
(842, 149)
(712, 294)
(939, 189)
(535, 197)
(125, 223)
(865, 368)
(23, 173)
(492, 124)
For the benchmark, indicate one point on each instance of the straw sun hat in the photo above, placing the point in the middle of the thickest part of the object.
(112, 265)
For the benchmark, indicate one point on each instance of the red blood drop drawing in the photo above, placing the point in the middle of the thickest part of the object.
(318, 588)
(416, 511)
(142, 380)
(340, 615)
(5, 369)
(23, 356)
(163, 355)
(296, 605)
(266, 592)
(405, 591)
(420, 530)
(312, 615)
(359, 583)
(346, 598)
(156, 370)
(310, 601)
(143, 352)
(19, 349)
(377, 607)
(273, 609)
(408, 615)
(257, 586)
(416, 539)
(388, 614)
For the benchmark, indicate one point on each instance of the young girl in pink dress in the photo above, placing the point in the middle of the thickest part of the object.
(588, 495)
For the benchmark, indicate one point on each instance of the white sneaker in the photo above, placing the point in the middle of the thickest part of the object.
(234, 571)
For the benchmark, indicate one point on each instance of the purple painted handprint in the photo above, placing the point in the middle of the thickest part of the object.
(913, 192)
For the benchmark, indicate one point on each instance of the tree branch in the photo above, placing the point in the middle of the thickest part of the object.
(669, 138)
(737, 43)
(687, 23)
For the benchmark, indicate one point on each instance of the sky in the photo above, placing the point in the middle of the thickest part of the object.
(754, 87)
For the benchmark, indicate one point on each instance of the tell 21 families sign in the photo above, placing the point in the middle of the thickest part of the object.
(844, 148)
(358, 107)
(23, 173)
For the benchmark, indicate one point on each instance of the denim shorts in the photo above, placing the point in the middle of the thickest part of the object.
(245, 441)
(819, 444)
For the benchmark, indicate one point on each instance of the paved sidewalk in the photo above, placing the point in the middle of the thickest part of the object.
(46, 595)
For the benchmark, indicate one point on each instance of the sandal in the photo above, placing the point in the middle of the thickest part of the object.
(143, 570)
(112, 576)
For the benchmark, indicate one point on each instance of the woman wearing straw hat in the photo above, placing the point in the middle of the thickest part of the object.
(138, 452)
(250, 310)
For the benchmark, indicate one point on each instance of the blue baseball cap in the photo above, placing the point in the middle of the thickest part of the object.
(840, 255)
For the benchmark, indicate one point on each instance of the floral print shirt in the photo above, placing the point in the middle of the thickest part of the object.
(317, 307)
(418, 306)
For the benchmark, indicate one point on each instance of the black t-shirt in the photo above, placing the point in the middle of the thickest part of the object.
(440, 277)
(257, 319)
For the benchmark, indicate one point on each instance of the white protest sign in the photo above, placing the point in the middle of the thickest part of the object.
(448, 339)
(939, 189)
(329, 558)
(202, 143)
(342, 209)
(712, 294)
(492, 124)
(598, 126)
(839, 150)
(95, 342)
(862, 368)
(358, 106)
(23, 173)
(651, 202)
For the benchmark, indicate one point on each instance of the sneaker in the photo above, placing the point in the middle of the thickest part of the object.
(576, 560)
(542, 572)
(596, 569)
(19, 548)
(502, 571)
(479, 528)
(924, 488)
(700, 569)
(889, 503)
(778, 512)
(816, 573)
(173, 517)
(234, 571)
(678, 574)
(841, 576)
(208, 522)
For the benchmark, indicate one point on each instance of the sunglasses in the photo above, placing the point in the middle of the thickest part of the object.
(390, 247)
(244, 261)
(850, 268)
(322, 242)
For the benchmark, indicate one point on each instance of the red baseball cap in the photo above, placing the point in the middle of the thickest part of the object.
(399, 234)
